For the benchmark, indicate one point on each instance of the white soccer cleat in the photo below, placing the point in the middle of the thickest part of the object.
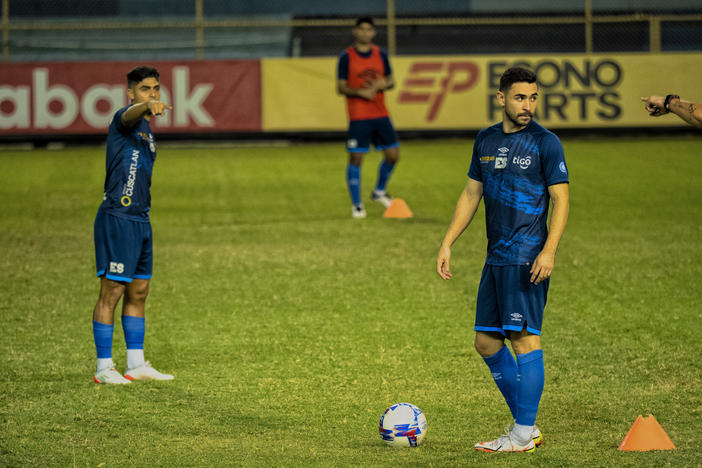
(146, 372)
(505, 443)
(381, 197)
(358, 211)
(109, 376)
(537, 437)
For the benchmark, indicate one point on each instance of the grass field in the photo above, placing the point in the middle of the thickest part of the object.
(290, 327)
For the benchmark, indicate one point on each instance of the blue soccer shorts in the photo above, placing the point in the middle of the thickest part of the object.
(508, 301)
(123, 248)
(362, 133)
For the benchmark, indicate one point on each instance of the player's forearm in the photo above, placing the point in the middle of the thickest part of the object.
(559, 218)
(690, 112)
(131, 116)
(466, 207)
(346, 90)
(387, 83)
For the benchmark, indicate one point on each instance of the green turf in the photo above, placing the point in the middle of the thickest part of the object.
(290, 327)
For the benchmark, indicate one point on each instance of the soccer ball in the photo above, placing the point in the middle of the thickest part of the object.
(403, 425)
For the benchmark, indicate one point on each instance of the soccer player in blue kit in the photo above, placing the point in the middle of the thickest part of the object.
(123, 239)
(517, 167)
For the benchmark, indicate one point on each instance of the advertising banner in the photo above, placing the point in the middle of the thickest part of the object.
(458, 92)
(82, 97)
(299, 94)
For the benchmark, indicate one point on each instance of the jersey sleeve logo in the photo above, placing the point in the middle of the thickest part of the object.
(562, 167)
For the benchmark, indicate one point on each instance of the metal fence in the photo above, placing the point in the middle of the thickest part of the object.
(41, 30)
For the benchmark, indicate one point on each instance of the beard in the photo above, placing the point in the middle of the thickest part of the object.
(515, 118)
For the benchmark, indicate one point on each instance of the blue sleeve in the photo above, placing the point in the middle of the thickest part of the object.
(475, 172)
(117, 121)
(386, 63)
(553, 160)
(342, 69)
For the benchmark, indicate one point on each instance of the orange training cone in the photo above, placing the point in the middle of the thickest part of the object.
(397, 209)
(646, 434)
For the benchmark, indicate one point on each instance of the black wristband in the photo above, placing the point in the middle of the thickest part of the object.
(668, 98)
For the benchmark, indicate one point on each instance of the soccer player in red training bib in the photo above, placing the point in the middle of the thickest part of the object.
(363, 74)
(517, 168)
(123, 240)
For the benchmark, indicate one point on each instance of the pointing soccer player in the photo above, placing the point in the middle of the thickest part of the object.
(363, 75)
(517, 168)
(123, 239)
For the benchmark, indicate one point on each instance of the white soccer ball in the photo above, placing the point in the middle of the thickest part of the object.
(403, 425)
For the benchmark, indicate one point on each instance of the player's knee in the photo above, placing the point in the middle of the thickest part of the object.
(392, 155)
(137, 294)
(141, 294)
(487, 346)
(109, 301)
(481, 348)
(488, 343)
(525, 348)
(355, 159)
(524, 343)
(110, 293)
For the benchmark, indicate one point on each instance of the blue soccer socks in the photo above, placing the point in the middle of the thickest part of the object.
(504, 371)
(102, 334)
(384, 171)
(353, 179)
(530, 386)
(134, 330)
(103, 339)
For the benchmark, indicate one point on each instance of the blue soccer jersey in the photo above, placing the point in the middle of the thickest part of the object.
(129, 162)
(516, 170)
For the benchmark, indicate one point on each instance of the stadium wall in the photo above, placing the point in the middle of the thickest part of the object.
(297, 95)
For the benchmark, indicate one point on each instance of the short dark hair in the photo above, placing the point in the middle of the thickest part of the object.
(141, 73)
(516, 75)
(365, 19)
